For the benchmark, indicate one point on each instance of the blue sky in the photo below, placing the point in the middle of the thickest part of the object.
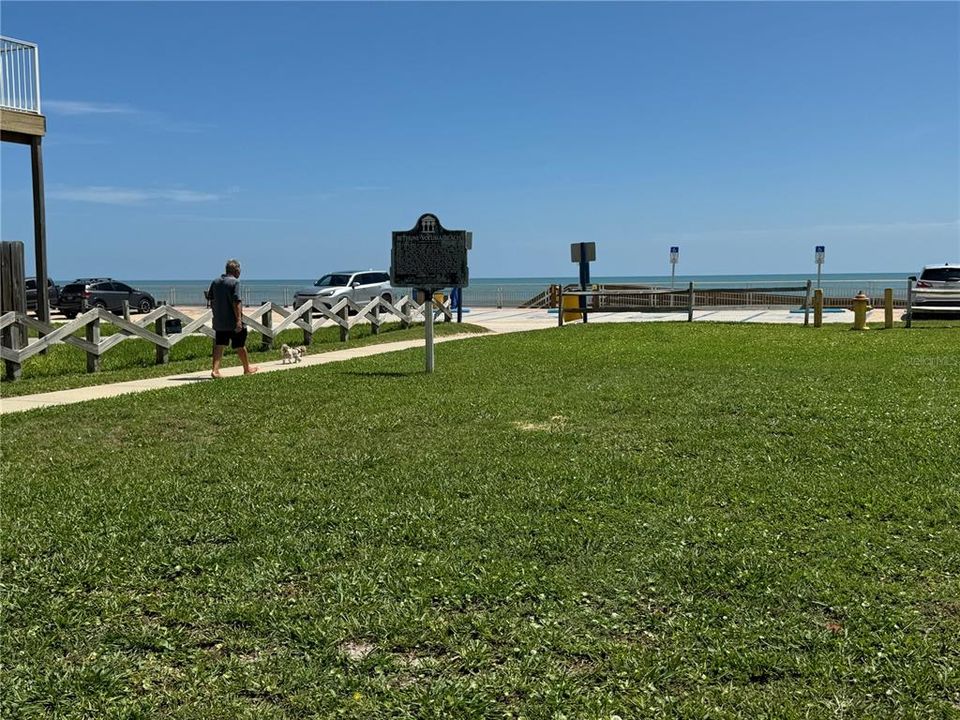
(296, 136)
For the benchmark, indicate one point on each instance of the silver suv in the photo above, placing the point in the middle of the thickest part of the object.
(361, 286)
(939, 277)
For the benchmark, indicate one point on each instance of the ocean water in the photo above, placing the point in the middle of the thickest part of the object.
(511, 292)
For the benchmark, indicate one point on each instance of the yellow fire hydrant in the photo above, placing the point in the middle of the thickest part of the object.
(860, 303)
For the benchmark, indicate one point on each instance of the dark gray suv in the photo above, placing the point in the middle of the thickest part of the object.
(86, 293)
(53, 293)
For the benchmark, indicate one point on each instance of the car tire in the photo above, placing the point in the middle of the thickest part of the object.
(98, 304)
(69, 315)
(387, 297)
(145, 306)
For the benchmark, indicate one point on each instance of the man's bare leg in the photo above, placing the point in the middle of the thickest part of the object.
(217, 357)
(248, 369)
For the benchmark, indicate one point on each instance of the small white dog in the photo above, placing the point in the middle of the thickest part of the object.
(302, 350)
(289, 353)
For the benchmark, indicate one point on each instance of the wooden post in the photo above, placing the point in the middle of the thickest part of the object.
(11, 339)
(13, 288)
(909, 314)
(39, 229)
(690, 303)
(888, 308)
(407, 314)
(93, 336)
(160, 328)
(344, 329)
(267, 322)
(126, 310)
(818, 307)
(308, 334)
(375, 324)
(806, 305)
(560, 306)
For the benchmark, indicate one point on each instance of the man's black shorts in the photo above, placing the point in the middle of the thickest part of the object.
(234, 338)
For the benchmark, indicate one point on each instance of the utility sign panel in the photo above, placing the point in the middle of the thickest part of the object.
(583, 252)
(820, 253)
(429, 257)
(674, 254)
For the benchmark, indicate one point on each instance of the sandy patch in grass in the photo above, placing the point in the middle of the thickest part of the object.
(357, 649)
(555, 424)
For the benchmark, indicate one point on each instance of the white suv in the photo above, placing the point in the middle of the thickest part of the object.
(938, 277)
(361, 286)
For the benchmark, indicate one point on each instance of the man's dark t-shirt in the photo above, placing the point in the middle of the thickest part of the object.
(224, 294)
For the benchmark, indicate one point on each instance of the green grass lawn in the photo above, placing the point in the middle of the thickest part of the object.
(649, 520)
(65, 367)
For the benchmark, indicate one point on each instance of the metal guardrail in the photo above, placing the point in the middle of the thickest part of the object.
(19, 76)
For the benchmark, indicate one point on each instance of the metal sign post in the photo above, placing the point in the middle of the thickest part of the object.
(819, 253)
(430, 257)
(428, 327)
(674, 259)
(583, 253)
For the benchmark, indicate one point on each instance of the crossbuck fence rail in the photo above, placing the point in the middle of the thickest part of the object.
(15, 348)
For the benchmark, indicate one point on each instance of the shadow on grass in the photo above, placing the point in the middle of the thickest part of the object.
(382, 373)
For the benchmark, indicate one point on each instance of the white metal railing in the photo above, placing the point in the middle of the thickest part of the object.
(19, 76)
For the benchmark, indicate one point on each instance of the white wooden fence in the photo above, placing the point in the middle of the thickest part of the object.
(14, 326)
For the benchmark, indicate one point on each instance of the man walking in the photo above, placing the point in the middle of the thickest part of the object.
(227, 318)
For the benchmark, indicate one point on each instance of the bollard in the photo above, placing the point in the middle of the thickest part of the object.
(888, 308)
(818, 307)
(860, 303)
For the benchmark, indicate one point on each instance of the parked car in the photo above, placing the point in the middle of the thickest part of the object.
(53, 293)
(938, 277)
(86, 293)
(361, 286)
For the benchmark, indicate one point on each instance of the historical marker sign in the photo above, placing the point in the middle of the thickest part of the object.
(430, 257)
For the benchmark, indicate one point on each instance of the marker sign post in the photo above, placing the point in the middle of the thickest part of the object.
(429, 257)
(583, 253)
(818, 254)
(674, 259)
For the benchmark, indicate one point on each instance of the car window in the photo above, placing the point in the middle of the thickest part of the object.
(102, 287)
(381, 277)
(73, 288)
(944, 274)
(366, 278)
(122, 288)
(31, 284)
(333, 280)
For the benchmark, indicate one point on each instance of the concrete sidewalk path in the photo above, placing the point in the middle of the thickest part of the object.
(96, 392)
